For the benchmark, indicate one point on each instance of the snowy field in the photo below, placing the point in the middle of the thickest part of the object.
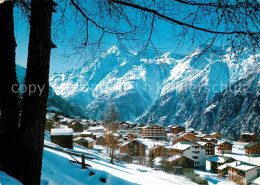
(58, 170)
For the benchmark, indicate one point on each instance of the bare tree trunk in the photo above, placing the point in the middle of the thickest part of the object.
(34, 106)
(9, 105)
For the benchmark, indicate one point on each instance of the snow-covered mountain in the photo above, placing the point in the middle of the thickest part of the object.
(171, 88)
(55, 103)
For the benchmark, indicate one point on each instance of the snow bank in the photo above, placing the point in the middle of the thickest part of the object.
(8, 180)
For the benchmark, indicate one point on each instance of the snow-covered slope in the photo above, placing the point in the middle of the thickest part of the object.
(58, 170)
(235, 110)
(172, 88)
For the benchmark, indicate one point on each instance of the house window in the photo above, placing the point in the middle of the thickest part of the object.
(197, 147)
(195, 157)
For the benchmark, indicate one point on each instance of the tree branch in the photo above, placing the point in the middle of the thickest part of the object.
(135, 6)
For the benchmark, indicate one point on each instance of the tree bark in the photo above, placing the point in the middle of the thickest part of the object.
(9, 105)
(34, 106)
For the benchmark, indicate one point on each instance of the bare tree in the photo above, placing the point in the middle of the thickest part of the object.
(110, 138)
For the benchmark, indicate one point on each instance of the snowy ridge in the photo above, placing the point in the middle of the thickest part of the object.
(173, 88)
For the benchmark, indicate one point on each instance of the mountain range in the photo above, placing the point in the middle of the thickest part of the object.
(197, 90)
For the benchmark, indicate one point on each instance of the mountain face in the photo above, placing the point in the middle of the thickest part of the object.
(55, 102)
(172, 88)
(235, 110)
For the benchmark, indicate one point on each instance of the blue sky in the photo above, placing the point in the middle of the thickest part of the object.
(162, 39)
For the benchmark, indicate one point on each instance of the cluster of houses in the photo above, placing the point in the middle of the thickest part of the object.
(183, 148)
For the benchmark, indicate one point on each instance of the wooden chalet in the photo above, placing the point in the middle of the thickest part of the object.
(252, 149)
(178, 129)
(225, 147)
(86, 142)
(62, 137)
(242, 173)
(249, 137)
(133, 148)
(157, 151)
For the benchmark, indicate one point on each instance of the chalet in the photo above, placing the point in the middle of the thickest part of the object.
(216, 135)
(225, 147)
(252, 149)
(131, 136)
(201, 137)
(101, 140)
(178, 139)
(98, 129)
(169, 128)
(249, 137)
(62, 137)
(76, 126)
(180, 163)
(154, 132)
(189, 136)
(223, 170)
(213, 163)
(210, 148)
(157, 151)
(133, 148)
(84, 134)
(193, 151)
(84, 141)
(178, 129)
(211, 140)
(242, 173)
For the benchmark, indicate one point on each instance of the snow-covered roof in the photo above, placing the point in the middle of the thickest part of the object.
(218, 159)
(250, 145)
(182, 145)
(222, 167)
(248, 133)
(61, 131)
(243, 166)
(256, 181)
(173, 158)
(89, 139)
(96, 128)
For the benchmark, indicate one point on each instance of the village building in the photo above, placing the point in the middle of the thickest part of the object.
(62, 137)
(178, 139)
(76, 126)
(191, 150)
(252, 149)
(180, 161)
(101, 140)
(85, 133)
(169, 128)
(225, 147)
(178, 129)
(210, 148)
(211, 140)
(191, 137)
(242, 173)
(86, 142)
(133, 148)
(131, 136)
(249, 137)
(98, 129)
(157, 151)
(213, 163)
(154, 132)
(201, 137)
(216, 135)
